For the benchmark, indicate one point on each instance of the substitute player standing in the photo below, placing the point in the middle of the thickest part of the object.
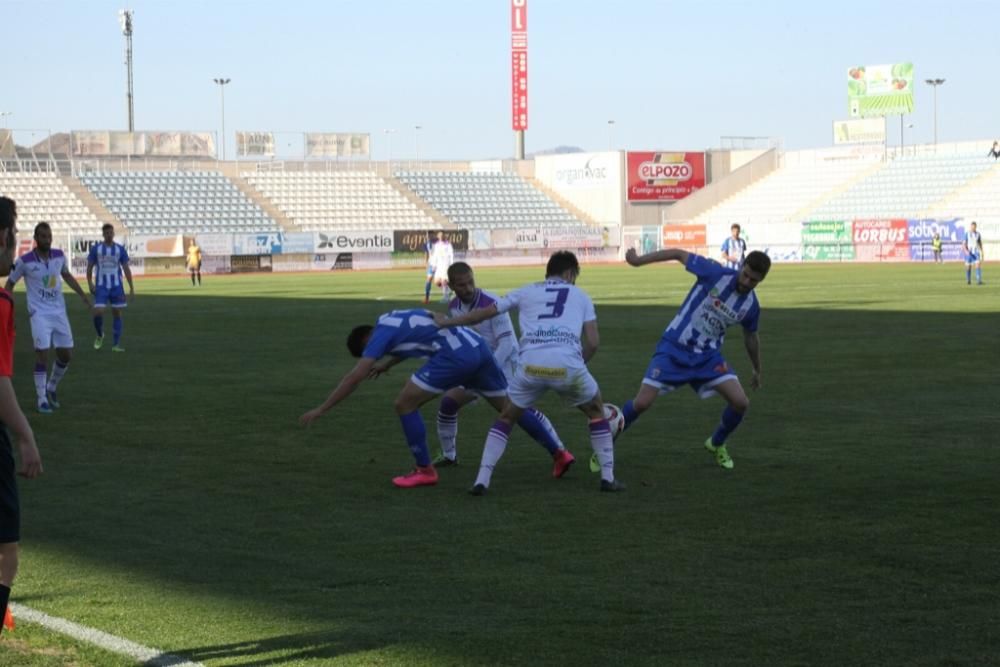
(973, 249)
(734, 249)
(111, 261)
(690, 350)
(498, 332)
(558, 337)
(43, 270)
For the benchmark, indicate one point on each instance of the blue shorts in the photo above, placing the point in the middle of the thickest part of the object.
(471, 367)
(115, 294)
(671, 368)
(972, 258)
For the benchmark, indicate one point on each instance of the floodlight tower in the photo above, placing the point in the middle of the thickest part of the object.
(222, 98)
(934, 83)
(125, 18)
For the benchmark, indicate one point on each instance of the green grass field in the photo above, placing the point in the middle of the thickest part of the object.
(182, 507)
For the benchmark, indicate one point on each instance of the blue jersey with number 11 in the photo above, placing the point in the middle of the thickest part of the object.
(412, 333)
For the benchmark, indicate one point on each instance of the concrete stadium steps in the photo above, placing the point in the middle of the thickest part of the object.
(43, 196)
(261, 200)
(410, 195)
(573, 210)
(93, 204)
(978, 199)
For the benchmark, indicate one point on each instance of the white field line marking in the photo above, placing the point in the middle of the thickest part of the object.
(144, 654)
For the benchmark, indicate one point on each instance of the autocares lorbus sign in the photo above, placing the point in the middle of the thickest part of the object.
(664, 176)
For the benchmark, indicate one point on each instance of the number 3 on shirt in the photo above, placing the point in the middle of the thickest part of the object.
(557, 306)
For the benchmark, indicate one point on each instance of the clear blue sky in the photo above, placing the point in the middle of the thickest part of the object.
(673, 75)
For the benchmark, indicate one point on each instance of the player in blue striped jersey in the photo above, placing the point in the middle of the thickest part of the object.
(110, 260)
(690, 350)
(456, 356)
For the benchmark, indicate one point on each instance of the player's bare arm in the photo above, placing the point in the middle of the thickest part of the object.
(669, 254)
(74, 285)
(383, 365)
(752, 342)
(591, 340)
(467, 319)
(90, 277)
(11, 415)
(128, 276)
(344, 388)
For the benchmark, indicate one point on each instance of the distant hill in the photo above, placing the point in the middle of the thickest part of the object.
(558, 150)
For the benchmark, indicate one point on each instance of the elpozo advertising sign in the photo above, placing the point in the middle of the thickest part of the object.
(663, 176)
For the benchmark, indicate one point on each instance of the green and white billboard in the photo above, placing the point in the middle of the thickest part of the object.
(880, 90)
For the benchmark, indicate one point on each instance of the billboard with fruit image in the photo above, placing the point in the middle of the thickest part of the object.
(880, 90)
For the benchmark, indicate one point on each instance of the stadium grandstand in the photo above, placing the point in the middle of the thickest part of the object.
(510, 211)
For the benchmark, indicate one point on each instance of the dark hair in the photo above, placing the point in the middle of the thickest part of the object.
(357, 338)
(759, 262)
(41, 226)
(107, 225)
(561, 262)
(458, 269)
(8, 211)
(735, 225)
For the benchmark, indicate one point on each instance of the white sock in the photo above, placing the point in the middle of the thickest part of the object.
(600, 440)
(58, 371)
(496, 443)
(448, 434)
(40, 386)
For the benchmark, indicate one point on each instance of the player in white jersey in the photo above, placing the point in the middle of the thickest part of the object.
(43, 270)
(498, 332)
(110, 259)
(442, 256)
(558, 336)
(973, 249)
(690, 350)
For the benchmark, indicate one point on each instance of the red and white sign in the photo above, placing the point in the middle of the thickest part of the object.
(881, 240)
(519, 64)
(664, 176)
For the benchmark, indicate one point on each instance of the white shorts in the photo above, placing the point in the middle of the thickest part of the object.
(530, 382)
(441, 275)
(51, 330)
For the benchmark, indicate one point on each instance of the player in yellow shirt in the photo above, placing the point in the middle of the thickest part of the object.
(194, 261)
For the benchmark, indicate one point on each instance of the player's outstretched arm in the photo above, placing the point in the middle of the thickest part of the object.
(74, 285)
(90, 276)
(472, 317)
(752, 342)
(344, 388)
(11, 415)
(383, 365)
(675, 254)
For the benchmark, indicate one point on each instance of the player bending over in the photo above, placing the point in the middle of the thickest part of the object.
(458, 357)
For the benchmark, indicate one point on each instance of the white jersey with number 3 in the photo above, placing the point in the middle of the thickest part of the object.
(551, 315)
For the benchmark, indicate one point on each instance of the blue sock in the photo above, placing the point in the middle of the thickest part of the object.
(629, 413)
(979, 274)
(427, 290)
(530, 422)
(116, 326)
(968, 275)
(416, 437)
(730, 420)
(99, 324)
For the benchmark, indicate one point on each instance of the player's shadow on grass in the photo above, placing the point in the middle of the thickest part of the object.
(181, 461)
(303, 646)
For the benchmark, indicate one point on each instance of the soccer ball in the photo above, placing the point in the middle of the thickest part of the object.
(616, 420)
